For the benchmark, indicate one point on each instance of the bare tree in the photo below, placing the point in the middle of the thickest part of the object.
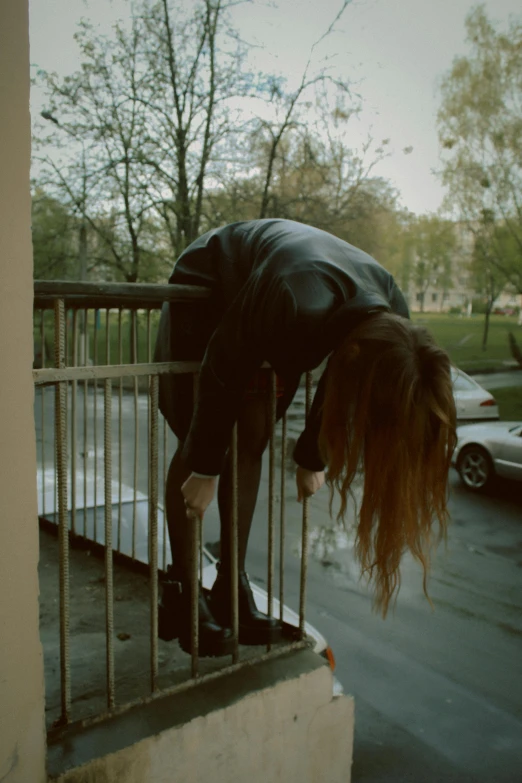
(286, 105)
(142, 118)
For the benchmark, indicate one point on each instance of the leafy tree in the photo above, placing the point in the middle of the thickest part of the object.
(480, 130)
(435, 245)
(494, 250)
(55, 235)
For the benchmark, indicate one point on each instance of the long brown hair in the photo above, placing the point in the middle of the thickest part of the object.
(389, 413)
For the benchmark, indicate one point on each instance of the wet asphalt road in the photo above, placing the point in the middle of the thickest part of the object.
(438, 694)
(499, 380)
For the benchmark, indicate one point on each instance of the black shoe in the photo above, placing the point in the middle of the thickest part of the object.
(254, 626)
(174, 622)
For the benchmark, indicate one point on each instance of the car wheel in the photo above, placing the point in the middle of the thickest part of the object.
(475, 467)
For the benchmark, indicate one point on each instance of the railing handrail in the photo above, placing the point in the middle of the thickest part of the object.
(83, 294)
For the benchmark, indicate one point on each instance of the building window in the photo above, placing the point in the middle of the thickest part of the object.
(419, 297)
(434, 297)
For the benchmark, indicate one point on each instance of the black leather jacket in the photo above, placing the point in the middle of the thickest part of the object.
(281, 292)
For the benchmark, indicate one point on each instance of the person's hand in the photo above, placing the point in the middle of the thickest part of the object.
(198, 493)
(308, 482)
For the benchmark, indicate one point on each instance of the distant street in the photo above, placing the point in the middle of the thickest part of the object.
(499, 380)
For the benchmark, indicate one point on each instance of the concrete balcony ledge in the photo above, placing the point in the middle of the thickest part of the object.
(274, 720)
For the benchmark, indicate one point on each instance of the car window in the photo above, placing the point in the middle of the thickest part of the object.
(461, 383)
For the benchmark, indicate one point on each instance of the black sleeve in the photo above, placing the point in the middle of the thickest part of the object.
(398, 303)
(262, 312)
(306, 452)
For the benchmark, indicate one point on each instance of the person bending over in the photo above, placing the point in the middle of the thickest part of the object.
(292, 295)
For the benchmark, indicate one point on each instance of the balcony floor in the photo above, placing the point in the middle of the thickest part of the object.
(87, 635)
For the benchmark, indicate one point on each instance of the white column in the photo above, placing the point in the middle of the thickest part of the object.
(22, 733)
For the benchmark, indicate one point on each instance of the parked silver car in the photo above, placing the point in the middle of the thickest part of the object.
(487, 450)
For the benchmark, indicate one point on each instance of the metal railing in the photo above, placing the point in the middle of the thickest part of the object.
(68, 317)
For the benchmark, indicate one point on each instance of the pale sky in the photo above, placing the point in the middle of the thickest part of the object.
(395, 51)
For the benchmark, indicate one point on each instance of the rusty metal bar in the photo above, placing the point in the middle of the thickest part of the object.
(100, 295)
(50, 375)
(108, 520)
(197, 530)
(304, 535)
(85, 430)
(42, 401)
(109, 584)
(134, 360)
(74, 445)
(107, 337)
(120, 429)
(195, 386)
(194, 597)
(95, 425)
(271, 497)
(63, 522)
(148, 346)
(153, 530)
(165, 450)
(282, 521)
(234, 543)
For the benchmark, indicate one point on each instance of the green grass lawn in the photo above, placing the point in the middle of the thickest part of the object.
(509, 403)
(462, 338)
(145, 330)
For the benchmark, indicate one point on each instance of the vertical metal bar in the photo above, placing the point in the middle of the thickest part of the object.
(149, 344)
(55, 492)
(74, 445)
(201, 563)
(107, 336)
(282, 527)
(108, 361)
(195, 381)
(197, 527)
(120, 428)
(194, 596)
(109, 587)
(63, 529)
(66, 337)
(95, 424)
(148, 359)
(85, 431)
(234, 543)
(134, 359)
(165, 442)
(153, 531)
(271, 497)
(42, 400)
(304, 536)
